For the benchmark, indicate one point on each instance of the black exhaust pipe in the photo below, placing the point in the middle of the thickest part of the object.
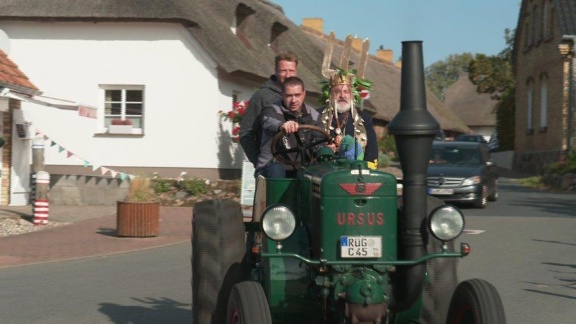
(414, 129)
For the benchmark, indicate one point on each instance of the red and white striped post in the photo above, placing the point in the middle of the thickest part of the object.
(41, 203)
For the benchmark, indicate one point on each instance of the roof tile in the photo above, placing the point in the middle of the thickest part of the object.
(10, 74)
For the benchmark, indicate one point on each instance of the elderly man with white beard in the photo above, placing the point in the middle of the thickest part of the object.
(352, 130)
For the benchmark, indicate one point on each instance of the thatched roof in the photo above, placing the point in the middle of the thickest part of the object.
(247, 55)
(475, 109)
(208, 20)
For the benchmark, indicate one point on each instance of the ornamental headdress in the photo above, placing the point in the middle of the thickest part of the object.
(340, 76)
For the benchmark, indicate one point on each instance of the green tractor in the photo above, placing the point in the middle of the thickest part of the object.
(338, 244)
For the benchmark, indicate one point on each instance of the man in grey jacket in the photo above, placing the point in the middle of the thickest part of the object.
(285, 116)
(286, 65)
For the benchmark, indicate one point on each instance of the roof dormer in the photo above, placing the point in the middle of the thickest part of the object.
(277, 35)
(243, 17)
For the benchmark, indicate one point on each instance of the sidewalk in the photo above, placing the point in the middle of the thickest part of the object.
(92, 232)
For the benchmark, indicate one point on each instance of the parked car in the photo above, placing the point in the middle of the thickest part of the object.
(462, 172)
(471, 138)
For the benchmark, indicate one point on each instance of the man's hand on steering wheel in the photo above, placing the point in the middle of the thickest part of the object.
(301, 149)
(289, 127)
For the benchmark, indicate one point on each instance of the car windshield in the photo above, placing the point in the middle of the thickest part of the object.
(455, 155)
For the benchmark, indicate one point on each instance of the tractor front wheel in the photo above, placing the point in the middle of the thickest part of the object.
(248, 304)
(476, 301)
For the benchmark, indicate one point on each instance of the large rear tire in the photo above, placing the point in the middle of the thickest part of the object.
(248, 304)
(217, 258)
(476, 301)
(442, 277)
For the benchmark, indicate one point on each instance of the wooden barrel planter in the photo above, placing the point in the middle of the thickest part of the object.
(137, 219)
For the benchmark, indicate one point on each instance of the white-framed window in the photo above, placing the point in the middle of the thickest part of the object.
(543, 103)
(125, 103)
(530, 109)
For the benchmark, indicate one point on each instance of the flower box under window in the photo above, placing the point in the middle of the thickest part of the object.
(120, 126)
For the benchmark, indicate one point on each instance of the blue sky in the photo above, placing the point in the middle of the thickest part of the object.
(445, 26)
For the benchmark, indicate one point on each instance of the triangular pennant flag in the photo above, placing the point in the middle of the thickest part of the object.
(94, 167)
(104, 170)
(61, 149)
(38, 132)
(52, 143)
(69, 154)
(113, 173)
(86, 164)
(122, 176)
(46, 137)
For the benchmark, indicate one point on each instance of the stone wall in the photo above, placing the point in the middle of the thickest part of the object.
(86, 190)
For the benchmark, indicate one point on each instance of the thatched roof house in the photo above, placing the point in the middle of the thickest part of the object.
(260, 30)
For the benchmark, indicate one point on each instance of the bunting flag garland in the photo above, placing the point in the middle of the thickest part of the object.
(70, 154)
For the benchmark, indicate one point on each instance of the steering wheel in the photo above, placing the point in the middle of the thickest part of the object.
(302, 150)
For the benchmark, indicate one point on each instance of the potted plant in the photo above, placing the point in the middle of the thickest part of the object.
(139, 214)
(120, 126)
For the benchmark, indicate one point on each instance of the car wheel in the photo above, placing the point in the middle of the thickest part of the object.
(494, 195)
(482, 202)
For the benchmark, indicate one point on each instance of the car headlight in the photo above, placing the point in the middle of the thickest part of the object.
(278, 222)
(472, 180)
(446, 222)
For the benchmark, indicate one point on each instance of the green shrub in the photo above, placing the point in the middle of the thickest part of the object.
(387, 145)
(162, 185)
(383, 160)
(194, 186)
(562, 168)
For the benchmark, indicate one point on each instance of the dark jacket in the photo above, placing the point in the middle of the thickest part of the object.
(268, 94)
(275, 115)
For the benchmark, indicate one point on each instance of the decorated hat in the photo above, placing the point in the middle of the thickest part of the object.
(342, 74)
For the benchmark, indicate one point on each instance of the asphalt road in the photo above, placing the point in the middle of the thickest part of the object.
(527, 250)
(151, 286)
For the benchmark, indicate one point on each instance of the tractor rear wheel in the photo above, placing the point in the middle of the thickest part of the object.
(248, 304)
(217, 253)
(442, 277)
(476, 301)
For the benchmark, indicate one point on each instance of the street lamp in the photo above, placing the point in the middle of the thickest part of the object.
(566, 48)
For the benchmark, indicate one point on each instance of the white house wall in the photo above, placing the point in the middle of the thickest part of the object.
(182, 91)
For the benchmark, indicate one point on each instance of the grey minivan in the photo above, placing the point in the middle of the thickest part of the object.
(462, 172)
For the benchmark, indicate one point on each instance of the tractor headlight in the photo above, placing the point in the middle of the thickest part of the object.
(278, 222)
(446, 222)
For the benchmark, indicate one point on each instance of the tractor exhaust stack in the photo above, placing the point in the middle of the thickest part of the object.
(414, 129)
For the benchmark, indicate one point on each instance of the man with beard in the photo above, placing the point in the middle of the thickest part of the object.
(352, 130)
(285, 116)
